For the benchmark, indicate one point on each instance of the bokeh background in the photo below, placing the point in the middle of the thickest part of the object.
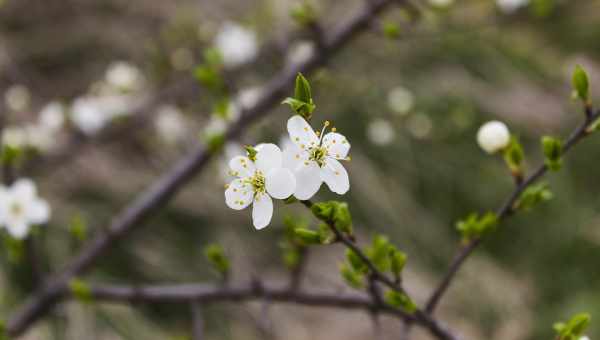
(410, 102)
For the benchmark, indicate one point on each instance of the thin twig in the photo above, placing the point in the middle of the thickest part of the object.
(505, 210)
(197, 320)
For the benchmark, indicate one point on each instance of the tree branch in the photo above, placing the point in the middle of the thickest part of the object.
(168, 185)
(505, 211)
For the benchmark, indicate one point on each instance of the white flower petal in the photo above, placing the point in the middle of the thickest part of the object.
(17, 228)
(337, 145)
(238, 195)
(308, 181)
(23, 189)
(262, 211)
(280, 183)
(38, 211)
(301, 133)
(293, 156)
(268, 157)
(335, 176)
(242, 166)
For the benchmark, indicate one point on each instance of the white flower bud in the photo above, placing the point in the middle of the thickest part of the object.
(493, 136)
(584, 338)
(236, 44)
(509, 6)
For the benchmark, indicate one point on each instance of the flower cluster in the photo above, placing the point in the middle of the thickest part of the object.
(308, 159)
(21, 208)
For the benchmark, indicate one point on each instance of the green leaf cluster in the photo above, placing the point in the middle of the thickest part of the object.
(532, 196)
(574, 328)
(475, 226)
(334, 213)
(302, 102)
(215, 254)
(553, 150)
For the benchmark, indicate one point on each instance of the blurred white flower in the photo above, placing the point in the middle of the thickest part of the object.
(21, 208)
(247, 98)
(52, 116)
(509, 6)
(315, 159)
(87, 116)
(124, 76)
(236, 44)
(216, 126)
(15, 136)
(441, 3)
(419, 125)
(493, 136)
(380, 132)
(300, 52)
(257, 181)
(92, 113)
(400, 100)
(584, 338)
(39, 137)
(17, 98)
(170, 124)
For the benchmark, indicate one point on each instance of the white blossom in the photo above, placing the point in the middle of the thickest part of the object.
(419, 125)
(257, 181)
(216, 126)
(88, 116)
(248, 97)
(21, 208)
(40, 137)
(493, 136)
(300, 52)
(14, 136)
(236, 44)
(585, 337)
(17, 98)
(509, 6)
(380, 132)
(124, 76)
(441, 3)
(170, 124)
(230, 150)
(400, 100)
(52, 116)
(315, 159)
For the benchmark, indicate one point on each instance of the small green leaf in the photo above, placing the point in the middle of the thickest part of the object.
(302, 103)
(302, 90)
(215, 254)
(533, 195)
(514, 155)
(580, 83)
(78, 228)
(213, 57)
(215, 142)
(474, 226)
(400, 300)
(378, 253)
(552, 148)
(398, 261)
(352, 278)
(391, 30)
(574, 328)
(81, 291)
(307, 236)
(304, 13)
(356, 262)
(209, 77)
(341, 218)
(251, 152)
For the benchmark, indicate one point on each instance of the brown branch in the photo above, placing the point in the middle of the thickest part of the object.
(505, 210)
(205, 294)
(197, 320)
(168, 185)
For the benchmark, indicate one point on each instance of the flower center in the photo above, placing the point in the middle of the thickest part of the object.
(318, 154)
(16, 209)
(257, 182)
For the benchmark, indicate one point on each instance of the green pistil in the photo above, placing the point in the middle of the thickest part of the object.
(318, 154)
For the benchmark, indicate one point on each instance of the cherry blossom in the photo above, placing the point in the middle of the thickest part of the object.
(259, 176)
(315, 159)
(21, 208)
